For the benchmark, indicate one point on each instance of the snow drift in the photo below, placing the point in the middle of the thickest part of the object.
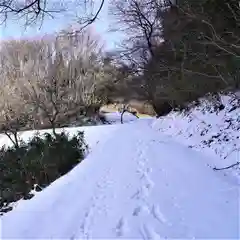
(216, 133)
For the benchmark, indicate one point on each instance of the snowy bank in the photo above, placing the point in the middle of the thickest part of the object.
(215, 133)
(138, 184)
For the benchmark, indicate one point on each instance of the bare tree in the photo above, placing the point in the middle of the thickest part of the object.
(63, 85)
(126, 109)
(55, 76)
(141, 23)
(14, 115)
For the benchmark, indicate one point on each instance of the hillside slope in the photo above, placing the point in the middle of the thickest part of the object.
(139, 183)
(213, 132)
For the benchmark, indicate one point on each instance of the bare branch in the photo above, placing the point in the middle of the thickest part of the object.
(36, 10)
(91, 20)
(224, 168)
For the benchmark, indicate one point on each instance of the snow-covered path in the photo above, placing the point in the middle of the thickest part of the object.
(137, 184)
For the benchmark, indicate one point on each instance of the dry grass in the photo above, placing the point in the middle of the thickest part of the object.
(143, 109)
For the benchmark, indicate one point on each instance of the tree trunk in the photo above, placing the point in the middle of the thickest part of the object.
(14, 140)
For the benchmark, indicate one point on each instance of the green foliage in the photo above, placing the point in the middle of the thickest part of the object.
(40, 161)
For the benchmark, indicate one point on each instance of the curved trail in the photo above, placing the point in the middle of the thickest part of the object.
(138, 184)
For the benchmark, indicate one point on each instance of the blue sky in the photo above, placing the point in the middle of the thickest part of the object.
(15, 29)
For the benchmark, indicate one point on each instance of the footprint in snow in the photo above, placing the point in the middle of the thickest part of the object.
(141, 194)
(121, 227)
(137, 211)
(142, 164)
(140, 209)
(144, 175)
(149, 183)
(149, 170)
(140, 171)
(141, 154)
(158, 214)
(148, 232)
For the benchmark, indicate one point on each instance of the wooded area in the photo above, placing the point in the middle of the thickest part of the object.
(173, 54)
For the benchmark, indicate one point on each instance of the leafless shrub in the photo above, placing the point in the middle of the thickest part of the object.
(141, 24)
(13, 115)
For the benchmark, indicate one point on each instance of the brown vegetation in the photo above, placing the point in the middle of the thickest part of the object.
(140, 107)
(49, 80)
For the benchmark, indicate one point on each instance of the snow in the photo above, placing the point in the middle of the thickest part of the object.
(92, 134)
(216, 134)
(114, 117)
(136, 182)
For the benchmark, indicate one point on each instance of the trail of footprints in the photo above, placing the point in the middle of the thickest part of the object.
(96, 199)
(142, 204)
